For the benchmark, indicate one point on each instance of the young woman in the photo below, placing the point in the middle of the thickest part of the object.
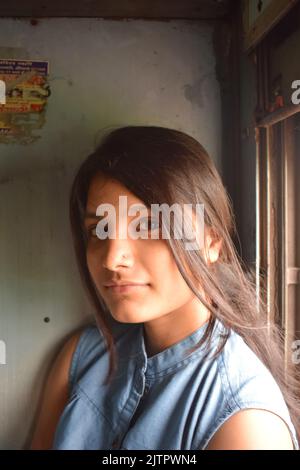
(181, 355)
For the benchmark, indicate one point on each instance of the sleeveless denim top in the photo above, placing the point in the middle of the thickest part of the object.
(172, 400)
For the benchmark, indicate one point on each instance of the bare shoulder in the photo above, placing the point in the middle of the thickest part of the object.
(252, 429)
(55, 395)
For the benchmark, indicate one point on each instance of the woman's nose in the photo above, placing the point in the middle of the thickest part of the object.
(117, 253)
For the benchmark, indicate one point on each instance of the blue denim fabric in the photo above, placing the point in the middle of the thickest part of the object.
(172, 400)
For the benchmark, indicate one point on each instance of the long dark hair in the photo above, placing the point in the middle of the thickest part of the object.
(161, 165)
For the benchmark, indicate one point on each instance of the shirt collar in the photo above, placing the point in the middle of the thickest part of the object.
(176, 355)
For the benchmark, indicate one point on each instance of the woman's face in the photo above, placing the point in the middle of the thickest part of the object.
(146, 261)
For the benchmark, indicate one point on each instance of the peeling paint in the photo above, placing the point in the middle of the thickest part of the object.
(27, 91)
(194, 93)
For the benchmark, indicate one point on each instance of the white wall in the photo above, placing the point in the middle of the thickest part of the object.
(102, 73)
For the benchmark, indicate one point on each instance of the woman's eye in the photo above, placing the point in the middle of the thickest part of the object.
(92, 230)
(145, 224)
(149, 224)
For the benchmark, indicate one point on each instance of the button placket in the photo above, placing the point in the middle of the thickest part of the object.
(115, 443)
(140, 390)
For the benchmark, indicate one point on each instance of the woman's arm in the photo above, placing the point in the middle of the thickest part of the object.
(55, 396)
(252, 429)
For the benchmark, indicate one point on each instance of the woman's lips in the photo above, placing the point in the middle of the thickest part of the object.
(128, 288)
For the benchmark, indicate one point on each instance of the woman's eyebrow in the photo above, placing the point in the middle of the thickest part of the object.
(92, 215)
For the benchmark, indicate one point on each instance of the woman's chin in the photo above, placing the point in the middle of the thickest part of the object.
(127, 317)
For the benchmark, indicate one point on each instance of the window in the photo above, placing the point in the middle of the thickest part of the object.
(278, 224)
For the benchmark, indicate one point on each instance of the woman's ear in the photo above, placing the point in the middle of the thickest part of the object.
(212, 247)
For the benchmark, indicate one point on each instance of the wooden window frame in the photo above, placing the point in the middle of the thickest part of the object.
(275, 222)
